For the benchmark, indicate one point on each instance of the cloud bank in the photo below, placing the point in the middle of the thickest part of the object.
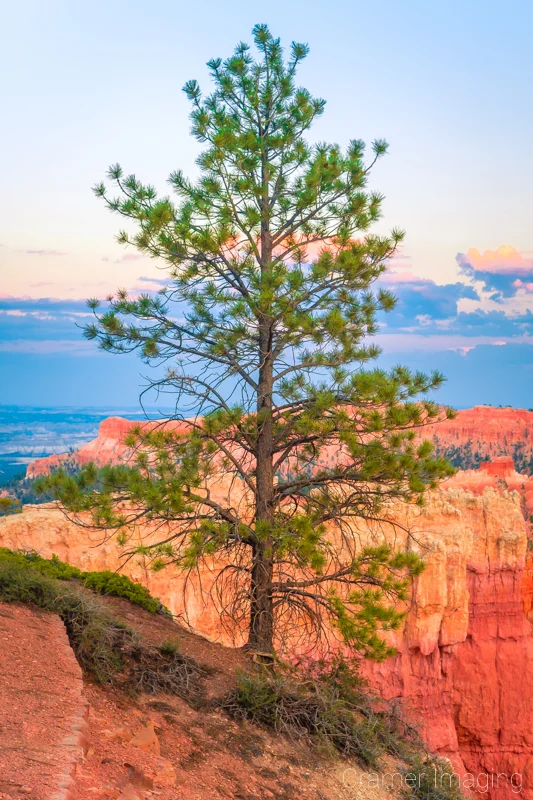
(482, 320)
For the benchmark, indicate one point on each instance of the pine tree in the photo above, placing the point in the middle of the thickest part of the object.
(263, 331)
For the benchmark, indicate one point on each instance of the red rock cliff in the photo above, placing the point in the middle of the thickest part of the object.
(488, 432)
(465, 659)
(465, 655)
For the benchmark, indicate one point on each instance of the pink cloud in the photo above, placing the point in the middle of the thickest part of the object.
(505, 259)
(464, 350)
(125, 258)
(399, 271)
(527, 286)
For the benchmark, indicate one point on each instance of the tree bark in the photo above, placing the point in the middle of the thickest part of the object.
(261, 634)
(262, 613)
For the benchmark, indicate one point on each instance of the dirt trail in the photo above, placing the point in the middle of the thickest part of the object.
(43, 709)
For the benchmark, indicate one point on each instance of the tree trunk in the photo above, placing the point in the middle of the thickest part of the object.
(262, 615)
(261, 632)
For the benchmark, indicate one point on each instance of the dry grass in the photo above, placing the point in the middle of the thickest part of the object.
(107, 650)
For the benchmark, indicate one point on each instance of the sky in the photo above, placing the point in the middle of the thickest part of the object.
(448, 84)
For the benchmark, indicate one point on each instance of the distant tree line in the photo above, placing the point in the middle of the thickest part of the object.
(469, 455)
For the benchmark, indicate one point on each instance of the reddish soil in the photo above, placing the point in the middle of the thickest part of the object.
(148, 746)
(158, 746)
(42, 706)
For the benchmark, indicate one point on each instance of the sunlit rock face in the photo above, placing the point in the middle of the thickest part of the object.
(107, 448)
(490, 431)
(465, 655)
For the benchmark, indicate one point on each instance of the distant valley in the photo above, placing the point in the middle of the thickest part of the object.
(27, 433)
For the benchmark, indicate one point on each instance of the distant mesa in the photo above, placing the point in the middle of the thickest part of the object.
(496, 441)
(107, 448)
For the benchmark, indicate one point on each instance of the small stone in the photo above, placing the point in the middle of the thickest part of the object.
(117, 735)
(129, 793)
(164, 773)
(147, 740)
(138, 778)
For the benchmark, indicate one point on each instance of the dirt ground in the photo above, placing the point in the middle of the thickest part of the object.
(41, 699)
(144, 746)
(158, 746)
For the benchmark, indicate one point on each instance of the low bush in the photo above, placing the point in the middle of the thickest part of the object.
(9, 505)
(96, 638)
(169, 647)
(430, 779)
(106, 649)
(329, 702)
(106, 582)
(113, 583)
(163, 669)
(52, 567)
(393, 732)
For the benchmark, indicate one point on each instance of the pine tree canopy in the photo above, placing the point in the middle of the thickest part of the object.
(263, 334)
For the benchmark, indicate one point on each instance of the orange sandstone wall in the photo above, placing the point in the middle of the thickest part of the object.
(465, 655)
(465, 659)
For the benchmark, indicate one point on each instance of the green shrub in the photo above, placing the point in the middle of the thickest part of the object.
(394, 734)
(169, 647)
(106, 582)
(52, 567)
(311, 707)
(164, 669)
(106, 649)
(329, 701)
(121, 586)
(18, 583)
(430, 779)
(9, 505)
(96, 638)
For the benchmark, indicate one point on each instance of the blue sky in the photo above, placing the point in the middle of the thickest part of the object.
(83, 85)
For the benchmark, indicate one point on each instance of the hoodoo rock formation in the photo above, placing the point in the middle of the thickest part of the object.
(464, 664)
(465, 655)
(491, 431)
